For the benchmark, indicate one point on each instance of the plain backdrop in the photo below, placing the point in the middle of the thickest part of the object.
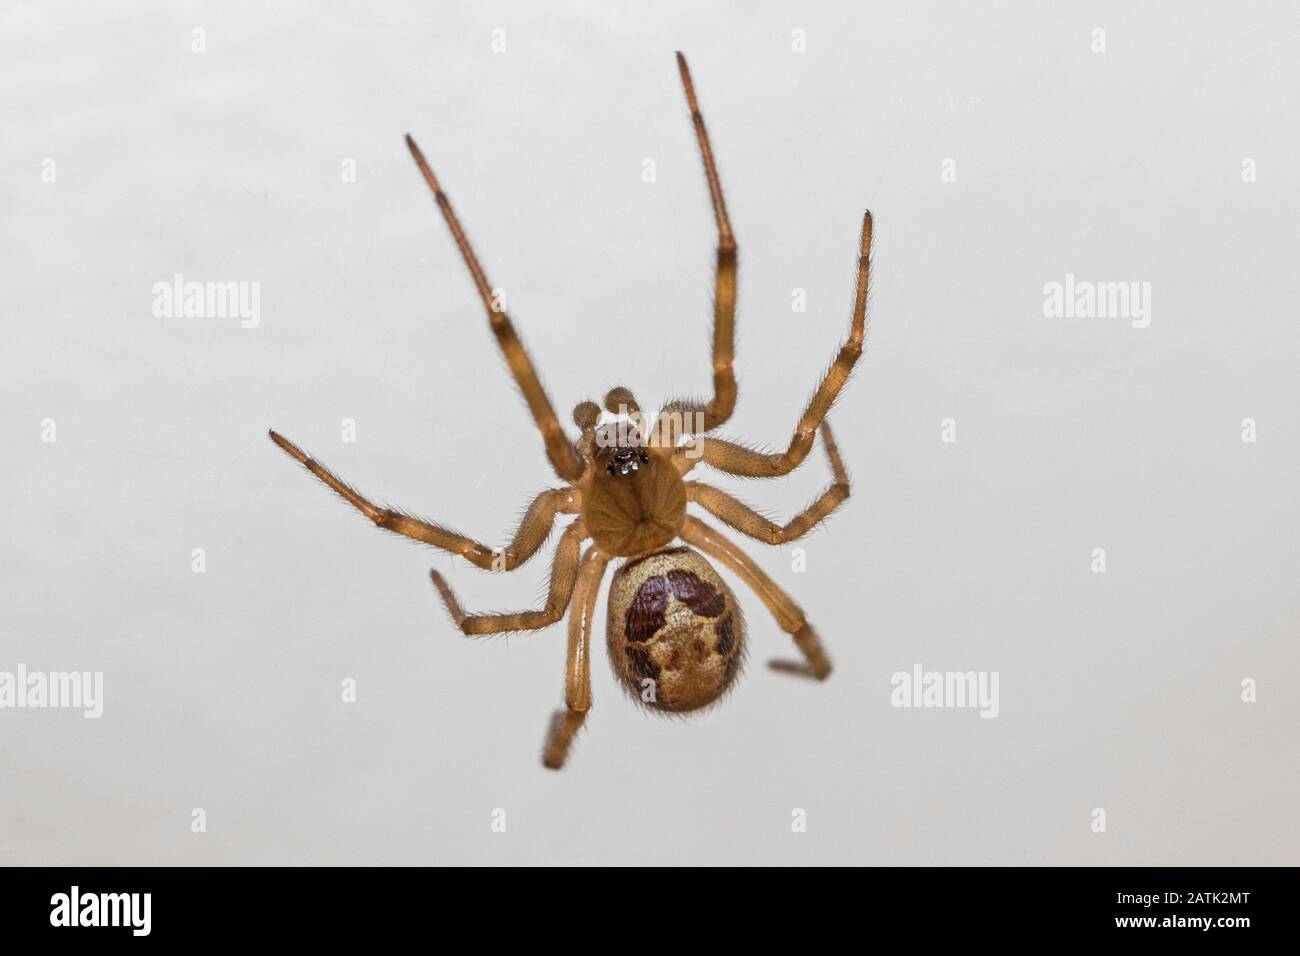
(1120, 691)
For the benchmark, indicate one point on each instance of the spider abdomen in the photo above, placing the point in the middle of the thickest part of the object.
(675, 632)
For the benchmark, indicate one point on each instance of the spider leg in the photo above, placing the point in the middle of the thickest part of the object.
(738, 460)
(564, 572)
(788, 614)
(719, 408)
(532, 532)
(749, 522)
(563, 457)
(566, 723)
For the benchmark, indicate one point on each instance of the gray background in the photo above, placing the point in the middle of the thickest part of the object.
(1118, 690)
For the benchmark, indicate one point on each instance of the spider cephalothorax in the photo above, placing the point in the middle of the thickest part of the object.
(634, 499)
(675, 633)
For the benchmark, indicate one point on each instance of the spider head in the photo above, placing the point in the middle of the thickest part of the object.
(620, 449)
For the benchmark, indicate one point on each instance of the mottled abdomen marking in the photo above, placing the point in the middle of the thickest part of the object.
(676, 636)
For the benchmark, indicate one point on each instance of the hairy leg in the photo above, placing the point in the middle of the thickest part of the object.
(747, 521)
(532, 532)
(564, 571)
(720, 407)
(788, 614)
(559, 449)
(566, 723)
(739, 460)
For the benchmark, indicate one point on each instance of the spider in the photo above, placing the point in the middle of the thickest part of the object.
(675, 634)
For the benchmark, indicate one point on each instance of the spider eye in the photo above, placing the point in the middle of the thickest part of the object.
(626, 461)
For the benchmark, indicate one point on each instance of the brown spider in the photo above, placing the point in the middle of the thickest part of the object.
(675, 632)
